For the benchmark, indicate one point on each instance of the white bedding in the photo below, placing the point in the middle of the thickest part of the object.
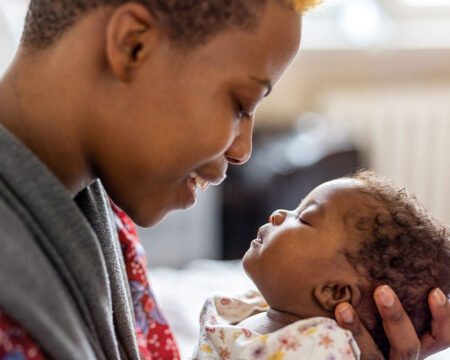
(181, 294)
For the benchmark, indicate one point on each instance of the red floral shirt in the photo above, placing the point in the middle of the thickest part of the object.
(154, 336)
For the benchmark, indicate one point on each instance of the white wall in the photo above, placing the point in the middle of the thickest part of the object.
(12, 16)
(186, 235)
(7, 45)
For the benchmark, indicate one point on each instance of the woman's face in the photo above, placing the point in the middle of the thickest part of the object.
(189, 114)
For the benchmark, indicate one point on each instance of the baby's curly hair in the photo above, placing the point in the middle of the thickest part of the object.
(188, 22)
(402, 245)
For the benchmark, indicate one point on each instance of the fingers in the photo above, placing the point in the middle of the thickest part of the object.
(349, 320)
(440, 311)
(405, 344)
(398, 327)
(439, 337)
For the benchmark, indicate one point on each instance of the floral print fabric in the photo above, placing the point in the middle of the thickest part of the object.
(155, 338)
(316, 338)
(15, 344)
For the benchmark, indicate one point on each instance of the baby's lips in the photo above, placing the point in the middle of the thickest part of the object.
(261, 234)
(263, 231)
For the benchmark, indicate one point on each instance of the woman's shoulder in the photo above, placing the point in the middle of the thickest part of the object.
(12, 227)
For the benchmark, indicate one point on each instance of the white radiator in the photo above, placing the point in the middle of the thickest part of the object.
(403, 134)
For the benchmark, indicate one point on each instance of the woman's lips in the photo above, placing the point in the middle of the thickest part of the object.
(203, 181)
(192, 189)
(199, 181)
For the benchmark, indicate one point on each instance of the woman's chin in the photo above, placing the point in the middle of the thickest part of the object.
(181, 198)
(149, 219)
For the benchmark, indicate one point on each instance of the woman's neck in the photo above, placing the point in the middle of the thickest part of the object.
(36, 112)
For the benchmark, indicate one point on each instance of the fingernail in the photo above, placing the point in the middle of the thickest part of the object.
(346, 314)
(440, 297)
(384, 294)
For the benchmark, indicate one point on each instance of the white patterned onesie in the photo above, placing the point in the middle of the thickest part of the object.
(316, 338)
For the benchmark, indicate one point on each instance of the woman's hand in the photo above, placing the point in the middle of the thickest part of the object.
(405, 344)
(438, 338)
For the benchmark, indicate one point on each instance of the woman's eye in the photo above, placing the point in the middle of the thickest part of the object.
(241, 113)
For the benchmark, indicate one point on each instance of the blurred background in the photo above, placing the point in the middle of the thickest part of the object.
(370, 87)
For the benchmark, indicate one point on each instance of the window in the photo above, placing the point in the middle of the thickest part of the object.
(426, 3)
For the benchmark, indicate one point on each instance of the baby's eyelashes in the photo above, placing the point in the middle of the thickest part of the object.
(279, 216)
(302, 220)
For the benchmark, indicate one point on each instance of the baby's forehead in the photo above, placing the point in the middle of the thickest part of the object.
(336, 193)
(344, 199)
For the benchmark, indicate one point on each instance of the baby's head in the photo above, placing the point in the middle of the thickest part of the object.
(347, 237)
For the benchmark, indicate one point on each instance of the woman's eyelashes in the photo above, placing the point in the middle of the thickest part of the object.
(241, 112)
(244, 106)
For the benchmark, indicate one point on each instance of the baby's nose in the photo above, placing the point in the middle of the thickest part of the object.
(277, 217)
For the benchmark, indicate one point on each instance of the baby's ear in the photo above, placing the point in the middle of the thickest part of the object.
(331, 294)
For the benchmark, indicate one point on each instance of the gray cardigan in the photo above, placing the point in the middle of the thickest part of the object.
(62, 274)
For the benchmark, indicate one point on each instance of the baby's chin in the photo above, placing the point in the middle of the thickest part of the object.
(248, 264)
(245, 264)
(250, 268)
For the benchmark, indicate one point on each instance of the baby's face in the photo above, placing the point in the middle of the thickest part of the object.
(304, 247)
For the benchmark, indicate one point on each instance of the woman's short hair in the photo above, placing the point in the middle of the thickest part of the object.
(187, 21)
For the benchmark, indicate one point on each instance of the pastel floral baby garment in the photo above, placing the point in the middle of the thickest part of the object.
(316, 338)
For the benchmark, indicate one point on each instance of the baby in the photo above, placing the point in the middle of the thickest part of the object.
(347, 237)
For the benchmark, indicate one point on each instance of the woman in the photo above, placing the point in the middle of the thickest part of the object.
(151, 98)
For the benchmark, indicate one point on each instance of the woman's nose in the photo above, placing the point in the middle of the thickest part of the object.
(278, 217)
(241, 149)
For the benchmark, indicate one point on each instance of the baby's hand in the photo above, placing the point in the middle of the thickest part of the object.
(405, 344)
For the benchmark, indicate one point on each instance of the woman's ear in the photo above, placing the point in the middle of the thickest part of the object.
(331, 294)
(131, 35)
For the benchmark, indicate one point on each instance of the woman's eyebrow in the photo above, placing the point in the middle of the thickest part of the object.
(265, 82)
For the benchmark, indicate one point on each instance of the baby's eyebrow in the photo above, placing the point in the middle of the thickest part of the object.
(312, 202)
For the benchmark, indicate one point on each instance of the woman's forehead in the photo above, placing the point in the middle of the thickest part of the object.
(260, 52)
